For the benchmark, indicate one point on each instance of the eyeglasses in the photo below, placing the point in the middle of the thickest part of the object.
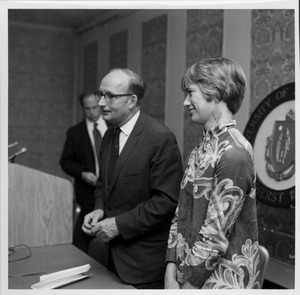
(109, 97)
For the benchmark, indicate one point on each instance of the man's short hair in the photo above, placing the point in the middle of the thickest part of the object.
(136, 85)
(83, 95)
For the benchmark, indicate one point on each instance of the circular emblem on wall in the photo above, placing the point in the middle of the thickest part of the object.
(271, 131)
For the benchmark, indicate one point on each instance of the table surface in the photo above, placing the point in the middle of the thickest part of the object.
(44, 260)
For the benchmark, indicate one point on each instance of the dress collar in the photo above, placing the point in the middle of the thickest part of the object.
(217, 130)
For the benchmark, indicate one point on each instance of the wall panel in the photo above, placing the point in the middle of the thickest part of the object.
(153, 65)
(118, 44)
(90, 63)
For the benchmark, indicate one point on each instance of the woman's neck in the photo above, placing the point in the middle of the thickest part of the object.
(224, 115)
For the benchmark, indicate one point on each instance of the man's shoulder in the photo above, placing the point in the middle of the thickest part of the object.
(79, 126)
(155, 125)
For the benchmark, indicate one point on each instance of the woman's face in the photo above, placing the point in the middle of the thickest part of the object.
(199, 108)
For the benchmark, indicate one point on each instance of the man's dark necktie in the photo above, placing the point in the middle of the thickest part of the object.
(114, 154)
(97, 138)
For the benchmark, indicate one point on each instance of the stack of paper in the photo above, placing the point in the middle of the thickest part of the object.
(61, 278)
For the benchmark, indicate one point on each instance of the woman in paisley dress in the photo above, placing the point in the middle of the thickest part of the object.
(213, 239)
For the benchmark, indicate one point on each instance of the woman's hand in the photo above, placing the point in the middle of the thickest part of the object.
(170, 276)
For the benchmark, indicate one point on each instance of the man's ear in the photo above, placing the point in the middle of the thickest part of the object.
(133, 101)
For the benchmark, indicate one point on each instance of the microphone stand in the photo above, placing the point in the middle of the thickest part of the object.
(12, 158)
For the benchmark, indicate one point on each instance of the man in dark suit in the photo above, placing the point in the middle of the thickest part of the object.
(79, 159)
(134, 202)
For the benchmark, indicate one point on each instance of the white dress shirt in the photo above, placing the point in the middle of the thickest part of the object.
(126, 129)
(102, 127)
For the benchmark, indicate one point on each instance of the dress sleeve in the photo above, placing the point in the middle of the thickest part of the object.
(172, 241)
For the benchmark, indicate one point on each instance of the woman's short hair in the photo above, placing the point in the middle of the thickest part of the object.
(219, 79)
(136, 85)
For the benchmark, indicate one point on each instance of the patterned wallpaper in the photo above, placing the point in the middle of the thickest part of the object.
(118, 50)
(204, 39)
(41, 72)
(153, 64)
(273, 52)
(272, 66)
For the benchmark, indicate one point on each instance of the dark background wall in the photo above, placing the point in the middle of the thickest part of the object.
(41, 85)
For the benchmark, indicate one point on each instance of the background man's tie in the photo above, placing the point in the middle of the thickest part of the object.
(97, 138)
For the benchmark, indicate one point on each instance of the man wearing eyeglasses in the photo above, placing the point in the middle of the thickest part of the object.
(79, 159)
(135, 199)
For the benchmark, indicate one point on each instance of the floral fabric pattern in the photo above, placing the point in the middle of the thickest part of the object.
(213, 237)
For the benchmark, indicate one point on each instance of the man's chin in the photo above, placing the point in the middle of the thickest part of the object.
(107, 118)
(93, 119)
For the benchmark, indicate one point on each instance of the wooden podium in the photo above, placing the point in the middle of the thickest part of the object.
(40, 208)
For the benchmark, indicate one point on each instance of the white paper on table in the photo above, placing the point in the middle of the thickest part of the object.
(63, 277)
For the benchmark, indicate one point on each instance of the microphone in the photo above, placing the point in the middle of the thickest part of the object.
(12, 144)
(21, 151)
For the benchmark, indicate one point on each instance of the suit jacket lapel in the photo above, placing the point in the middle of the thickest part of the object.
(128, 148)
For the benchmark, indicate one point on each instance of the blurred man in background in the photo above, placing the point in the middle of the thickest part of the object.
(80, 160)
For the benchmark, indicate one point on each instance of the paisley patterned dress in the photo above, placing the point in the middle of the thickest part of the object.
(213, 238)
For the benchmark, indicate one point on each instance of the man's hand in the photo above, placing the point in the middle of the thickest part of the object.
(106, 229)
(90, 220)
(89, 177)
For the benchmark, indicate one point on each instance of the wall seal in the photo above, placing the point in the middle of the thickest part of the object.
(271, 131)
